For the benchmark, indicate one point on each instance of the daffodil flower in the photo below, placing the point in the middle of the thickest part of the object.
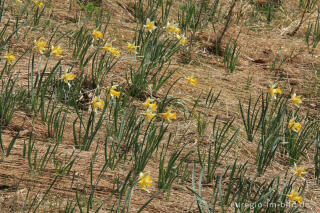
(131, 48)
(296, 100)
(169, 115)
(178, 31)
(171, 28)
(145, 181)
(294, 126)
(40, 45)
(114, 52)
(150, 104)
(294, 196)
(9, 57)
(149, 26)
(56, 51)
(150, 114)
(38, 3)
(273, 91)
(182, 39)
(107, 47)
(192, 80)
(299, 171)
(114, 93)
(97, 103)
(97, 34)
(67, 76)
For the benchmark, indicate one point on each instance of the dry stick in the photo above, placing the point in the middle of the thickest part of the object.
(227, 24)
(301, 21)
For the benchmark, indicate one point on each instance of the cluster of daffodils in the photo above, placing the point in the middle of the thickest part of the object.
(112, 50)
(38, 3)
(56, 51)
(151, 111)
(293, 125)
(294, 196)
(274, 90)
(97, 103)
(173, 29)
(97, 35)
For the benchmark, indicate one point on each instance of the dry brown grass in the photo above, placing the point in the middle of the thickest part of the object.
(259, 46)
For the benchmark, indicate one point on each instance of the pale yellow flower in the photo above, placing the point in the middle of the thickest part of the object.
(97, 34)
(192, 80)
(150, 114)
(114, 93)
(145, 181)
(273, 91)
(131, 48)
(169, 115)
(150, 26)
(299, 171)
(178, 31)
(107, 47)
(296, 100)
(294, 126)
(294, 196)
(56, 51)
(9, 57)
(171, 28)
(97, 103)
(67, 76)
(38, 3)
(115, 52)
(40, 45)
(182, 39)
(150, 104)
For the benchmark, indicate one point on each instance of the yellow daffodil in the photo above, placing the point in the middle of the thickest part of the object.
(9, 57)
(294, 126)
(299, 171)
(38, 3)
(107, 47)
(182, 39)
(145, 181)
(169, 115)
(150, 114)
(131, 48)
(114, 52)
(150, 104)
(171, 28)
(97, 103)
(56, 51)
(40, 45)
(296, 100)
(192, 80)
(150, 26)
(273, 91)
(114, 93)
(67, 76)
(97, 34)
(178, 31)
(294, 196)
